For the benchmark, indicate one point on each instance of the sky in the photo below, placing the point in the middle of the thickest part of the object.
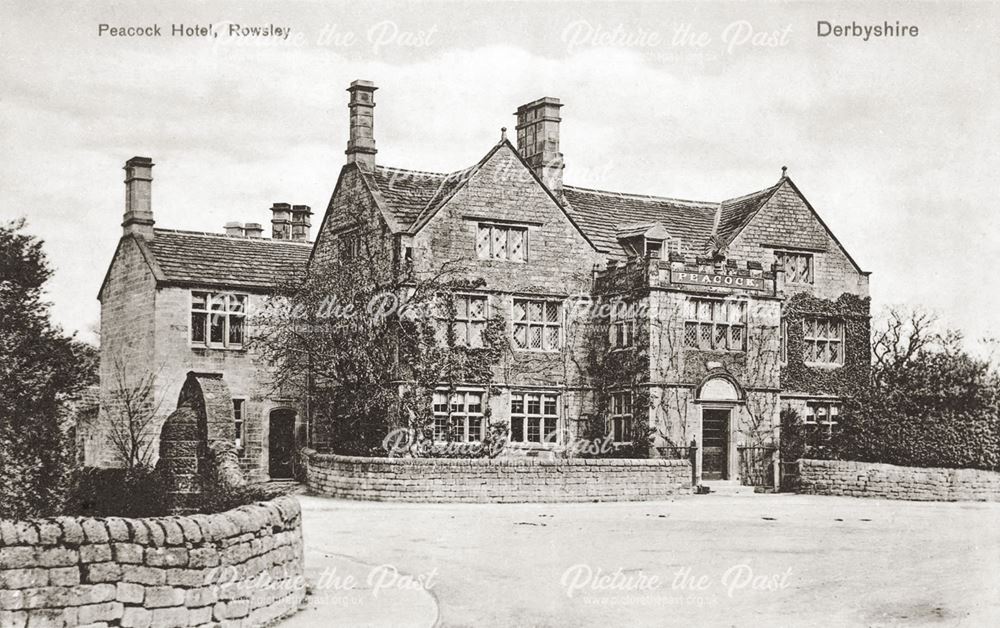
(892, 140)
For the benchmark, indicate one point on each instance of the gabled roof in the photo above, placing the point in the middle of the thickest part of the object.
(411, 193)
(194, 258)
(649, 230)
(413, 197)
(410, 198)
(191, 257)
(736, 213)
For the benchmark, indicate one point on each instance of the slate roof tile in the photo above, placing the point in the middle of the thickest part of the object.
(412, 194)
(191, 257)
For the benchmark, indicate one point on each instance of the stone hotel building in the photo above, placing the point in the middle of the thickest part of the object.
(717, 314)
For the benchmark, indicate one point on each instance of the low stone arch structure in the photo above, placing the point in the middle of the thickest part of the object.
(196, 444)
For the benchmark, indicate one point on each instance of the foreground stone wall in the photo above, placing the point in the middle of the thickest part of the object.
(866, 479)
(504, 480)
(242, 567)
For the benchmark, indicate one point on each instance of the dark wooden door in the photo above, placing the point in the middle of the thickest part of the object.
(281, 444)
(715, 441)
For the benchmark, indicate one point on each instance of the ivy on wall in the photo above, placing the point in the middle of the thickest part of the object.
(848, 380)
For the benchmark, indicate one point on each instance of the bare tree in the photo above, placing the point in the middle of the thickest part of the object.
(129, 414)
(899, 339)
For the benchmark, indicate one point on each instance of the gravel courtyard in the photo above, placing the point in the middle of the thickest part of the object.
(754, 560)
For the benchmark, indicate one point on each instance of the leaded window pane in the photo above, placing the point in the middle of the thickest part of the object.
(517, 245)
(535, 337)
(691, 335)
(737, 338)
(552, 312)
(535, 311)
(483, 242)
(499, 243)
(705, 340)
(551, 337)
(521, 336)
(477, 309)
(520, 310)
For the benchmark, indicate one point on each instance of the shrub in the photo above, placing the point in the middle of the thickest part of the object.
(223, 497)
(137, 492)
(931, 404)
(142, 492)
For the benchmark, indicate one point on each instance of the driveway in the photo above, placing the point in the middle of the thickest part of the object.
(757, 560)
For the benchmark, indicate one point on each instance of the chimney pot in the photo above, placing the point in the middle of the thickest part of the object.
(361, 142)
(301, 222)
(538, 140)
(234, 229)
(281, 221)
(253, 230)
(138, 218)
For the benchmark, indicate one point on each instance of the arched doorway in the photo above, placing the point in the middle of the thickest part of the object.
(717, 398)
(281, 444)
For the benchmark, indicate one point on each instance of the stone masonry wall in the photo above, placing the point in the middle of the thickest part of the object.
(506, 480)
(785, 221)
(241, 567)
(866, 479)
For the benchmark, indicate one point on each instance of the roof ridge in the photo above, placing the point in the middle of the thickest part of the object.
(746, 196)
(643, 197)
(423, 172)
(209, 234)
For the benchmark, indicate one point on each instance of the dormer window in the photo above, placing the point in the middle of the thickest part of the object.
(643, 240)
(654, 248)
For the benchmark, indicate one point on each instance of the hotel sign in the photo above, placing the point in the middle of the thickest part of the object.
(717, 280)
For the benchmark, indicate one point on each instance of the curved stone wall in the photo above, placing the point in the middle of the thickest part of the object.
(502, 480)
(868, 479)
(243, 567)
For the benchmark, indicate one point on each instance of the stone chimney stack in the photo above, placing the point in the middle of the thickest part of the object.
(538, 140)
(361, 145)
(138, 197)
(281, 221)
(234, 229)
(301, 222)
(253, 230)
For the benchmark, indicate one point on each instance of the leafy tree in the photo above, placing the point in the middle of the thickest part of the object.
(931, 402)
(40, 369)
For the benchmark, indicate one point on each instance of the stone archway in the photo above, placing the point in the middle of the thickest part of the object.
(196, 441)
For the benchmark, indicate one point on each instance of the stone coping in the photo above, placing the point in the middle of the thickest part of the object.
(243, 566)
(519, 461)
(507, 480)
